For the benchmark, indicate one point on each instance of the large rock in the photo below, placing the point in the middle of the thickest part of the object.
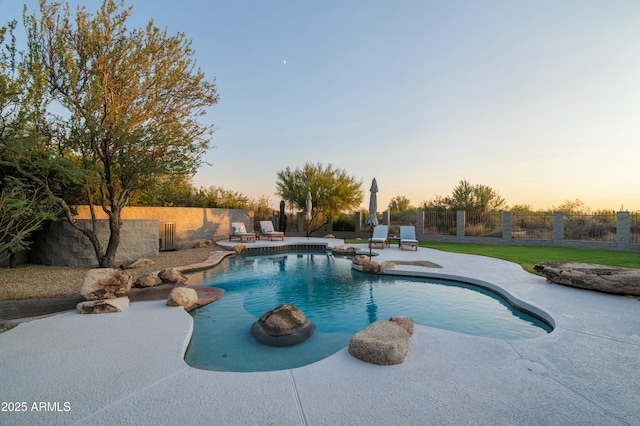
(342, 250)
(285, 325)
(147, 280)
(105, 283)
(404, 322)
(183, 296)
(361, 260)
(104, 306)
(381, 343)
(608, 279)
(139, 263)
(172, 276)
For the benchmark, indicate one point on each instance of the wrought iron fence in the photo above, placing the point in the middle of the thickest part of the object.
(439, 223)
(635, 227)
(534, 225)
(478, 224)
(591, 227)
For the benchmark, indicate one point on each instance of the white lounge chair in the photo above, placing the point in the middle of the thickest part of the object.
(380, 236)
(239, 231)
(408, 237)
(266, 230)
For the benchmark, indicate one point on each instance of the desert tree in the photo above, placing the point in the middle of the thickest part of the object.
(24, 208)
(399, 203)
(332, 190)
(468, 197)
(128, 105)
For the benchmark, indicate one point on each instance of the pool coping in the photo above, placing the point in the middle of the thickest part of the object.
(128, 367)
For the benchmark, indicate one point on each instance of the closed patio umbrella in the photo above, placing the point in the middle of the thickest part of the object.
(309, 206)
(372, 220)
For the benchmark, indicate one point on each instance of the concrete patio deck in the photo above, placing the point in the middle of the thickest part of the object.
(128, 368)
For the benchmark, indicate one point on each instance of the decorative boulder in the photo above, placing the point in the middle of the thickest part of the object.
(361, 260)
(140, 263)
(342, 250)
(404, 322)
(387, 265)
(148, 280)
(608, 279)
(239, 248)
(172, 276)
(183, 296)
(381, 343)
(202, 243)
(285, 325)
(105, 283)
(104, 306)
(371, 267)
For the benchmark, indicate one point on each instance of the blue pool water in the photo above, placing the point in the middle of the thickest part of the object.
(340, 301)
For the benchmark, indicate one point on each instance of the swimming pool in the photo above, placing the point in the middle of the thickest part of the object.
(340, 301)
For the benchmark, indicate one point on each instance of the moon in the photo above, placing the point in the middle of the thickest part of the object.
(284, 62)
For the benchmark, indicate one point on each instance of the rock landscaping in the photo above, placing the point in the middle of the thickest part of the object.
(607, 279)
(285, 325)
(383, 342)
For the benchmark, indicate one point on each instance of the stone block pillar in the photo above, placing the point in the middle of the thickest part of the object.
(460, 223)
(358, 222)
(300, 222)
(623, 230)
(507, 225)
(558, 226)
(420, 224)
(386, 218)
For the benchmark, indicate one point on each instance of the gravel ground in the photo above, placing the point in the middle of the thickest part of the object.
(40, 281)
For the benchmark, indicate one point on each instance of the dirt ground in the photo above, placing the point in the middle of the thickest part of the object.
(40, 281)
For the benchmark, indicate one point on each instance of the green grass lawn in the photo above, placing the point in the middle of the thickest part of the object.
(528, 256)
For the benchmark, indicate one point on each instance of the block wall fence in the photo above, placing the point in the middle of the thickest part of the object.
(622, 243)
(142, 231)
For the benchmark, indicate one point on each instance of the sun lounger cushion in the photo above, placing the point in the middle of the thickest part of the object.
(380, 235)
(239, 229)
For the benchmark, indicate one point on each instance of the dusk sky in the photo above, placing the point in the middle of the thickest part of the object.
(539, 100)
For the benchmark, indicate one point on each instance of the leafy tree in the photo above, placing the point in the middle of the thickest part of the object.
(399, 203)
(130, 102)
(468, 197)
(332, 190)
(166, 191)
(217, 196)
(576, 207)
(22, 211)
(261, 209)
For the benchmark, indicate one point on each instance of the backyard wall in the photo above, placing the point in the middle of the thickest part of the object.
(142, 232)
(60, 244)
(191, 223)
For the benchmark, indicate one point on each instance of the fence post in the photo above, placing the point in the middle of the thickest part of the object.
(623, 230)
(507, 225)
(385, 218)
(420, 224)
(460, 223)
(300, 222)
(558, 226)
(358, 222)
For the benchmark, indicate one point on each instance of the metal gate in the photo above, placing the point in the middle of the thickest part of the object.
(167, 236)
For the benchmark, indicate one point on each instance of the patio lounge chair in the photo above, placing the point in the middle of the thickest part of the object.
(380, 236)
(408, 237)
(266, 230)
(239, 231)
